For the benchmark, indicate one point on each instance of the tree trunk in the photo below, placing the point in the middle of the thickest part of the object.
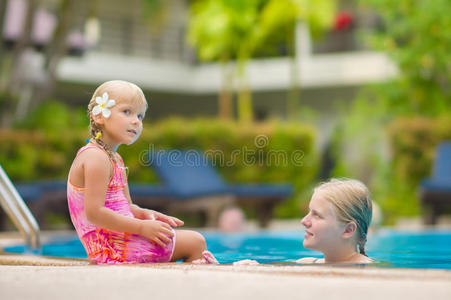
(294, 94)
(226, 93)
(2, 21)
(58, 46)
(19, 48)
(245, 113)
(9, 81)
(10, 59)
(32, 93)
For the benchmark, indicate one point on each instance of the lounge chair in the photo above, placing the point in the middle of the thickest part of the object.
(191, 183)
(44, 196)
(435, 192)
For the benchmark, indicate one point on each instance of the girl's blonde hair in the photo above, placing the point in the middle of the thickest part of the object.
(352, 202)
(121, 91)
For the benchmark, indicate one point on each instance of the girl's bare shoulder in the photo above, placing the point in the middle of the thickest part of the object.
(365, 259)
(310, 260)
(93, 156)
(89, 159)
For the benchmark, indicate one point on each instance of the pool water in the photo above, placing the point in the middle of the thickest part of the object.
(400, 249)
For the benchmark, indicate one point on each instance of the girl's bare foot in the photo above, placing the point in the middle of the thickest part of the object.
(207, 258)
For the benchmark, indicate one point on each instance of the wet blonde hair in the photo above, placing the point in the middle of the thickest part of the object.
(352, 203)
(121, 91)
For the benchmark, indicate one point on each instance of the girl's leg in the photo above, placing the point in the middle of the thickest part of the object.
(189, 245)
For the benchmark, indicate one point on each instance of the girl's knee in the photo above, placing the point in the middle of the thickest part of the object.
(192, 240)
(189, 245)
(199, 240)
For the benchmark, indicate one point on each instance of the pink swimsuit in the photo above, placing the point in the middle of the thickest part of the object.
(104, 246)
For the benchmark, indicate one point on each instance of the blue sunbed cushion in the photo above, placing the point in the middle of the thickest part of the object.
(52, 185)
(442, 166)
(436, 185)
(47, 185)
(269, 190)
(29, 192)
(187, 173)
(32, 190)
(441, 177)
(149, 190)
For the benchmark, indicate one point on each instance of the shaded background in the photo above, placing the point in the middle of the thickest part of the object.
(361, 87)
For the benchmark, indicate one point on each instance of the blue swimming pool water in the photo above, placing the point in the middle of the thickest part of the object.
(400, 249)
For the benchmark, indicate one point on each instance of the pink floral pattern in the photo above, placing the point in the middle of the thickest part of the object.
(109, 247)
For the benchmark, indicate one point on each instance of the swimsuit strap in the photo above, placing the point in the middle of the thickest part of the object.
(87, 146)
(119, 169)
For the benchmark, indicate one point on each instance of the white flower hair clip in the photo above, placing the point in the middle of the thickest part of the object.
(103, 106)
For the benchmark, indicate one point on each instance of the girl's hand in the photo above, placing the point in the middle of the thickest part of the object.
(173, 221)
(157, 232)
(147, 214)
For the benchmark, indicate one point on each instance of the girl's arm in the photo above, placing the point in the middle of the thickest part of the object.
(96, 178)
(147, 214)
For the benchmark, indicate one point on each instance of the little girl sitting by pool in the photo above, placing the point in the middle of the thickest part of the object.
(340, 213)
(111, 228)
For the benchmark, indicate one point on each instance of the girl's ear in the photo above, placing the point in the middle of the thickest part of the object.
(98, 119)
(349, 230)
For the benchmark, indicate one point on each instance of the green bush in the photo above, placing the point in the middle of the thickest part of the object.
(54, 116)
(389, 153)
(413, 143)
(411, 35)
(42, 154)
(416, 35)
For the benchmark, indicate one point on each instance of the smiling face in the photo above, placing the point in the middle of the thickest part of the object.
(323, 231)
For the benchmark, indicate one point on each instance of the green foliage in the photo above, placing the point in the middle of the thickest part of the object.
(235, 29)
(7, 101)
(54, 116)
(417, 36)
(395, 197)
(222, 30)
(284, 154)
(358, 139)
(155, 13)
(33, 155)
(390, 156)
(318, 14)
(413, 145)
(414, 142)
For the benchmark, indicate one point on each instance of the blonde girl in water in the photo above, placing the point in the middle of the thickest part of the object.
(340, 213)
(112, 229)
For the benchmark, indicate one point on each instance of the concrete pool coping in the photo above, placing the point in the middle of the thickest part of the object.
(33, 277)
(176, 281)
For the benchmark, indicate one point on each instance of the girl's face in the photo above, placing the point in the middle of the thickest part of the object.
(124, 126)
(323, 231)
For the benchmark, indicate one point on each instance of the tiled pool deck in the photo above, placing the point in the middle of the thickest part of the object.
(31, 277)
